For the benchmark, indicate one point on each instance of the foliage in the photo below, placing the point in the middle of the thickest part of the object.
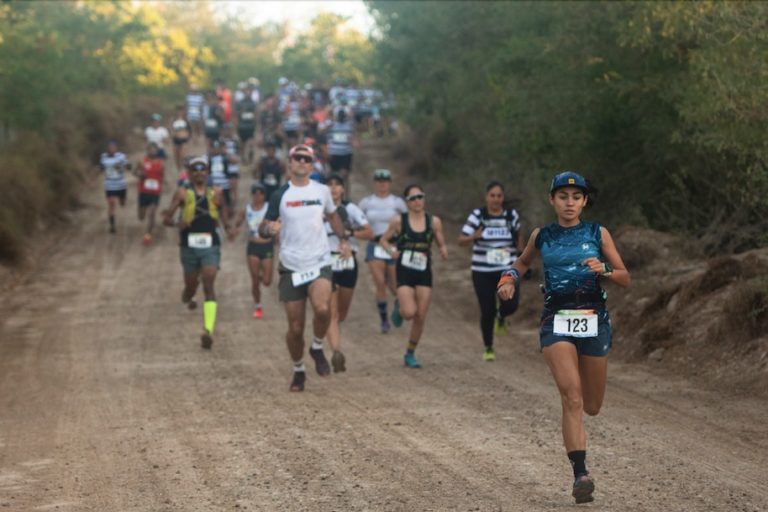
(662, 104)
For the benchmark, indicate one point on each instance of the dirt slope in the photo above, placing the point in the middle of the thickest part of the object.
(108, 403)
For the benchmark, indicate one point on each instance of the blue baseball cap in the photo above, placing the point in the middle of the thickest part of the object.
(568, 179)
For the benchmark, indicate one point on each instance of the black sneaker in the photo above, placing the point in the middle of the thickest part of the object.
(321, 363)
(297, 384)
(338, 362)
(206, 340)
(583, 487)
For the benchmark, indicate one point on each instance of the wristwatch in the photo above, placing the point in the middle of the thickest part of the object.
(608, 269)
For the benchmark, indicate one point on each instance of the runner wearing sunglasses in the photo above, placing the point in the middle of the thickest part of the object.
(415, 231)
(201, 216)
(296, 212)
(575, 333)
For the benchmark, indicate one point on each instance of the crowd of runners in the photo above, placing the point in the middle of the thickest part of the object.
(298, 145)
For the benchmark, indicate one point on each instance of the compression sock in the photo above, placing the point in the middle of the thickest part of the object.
(578, 462)
(382, 310)
(317, 344)
(411, 347)
(209, 315)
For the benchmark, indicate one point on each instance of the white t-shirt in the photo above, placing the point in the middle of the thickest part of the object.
(356, 220)
(301, 210)
(381, 210)
(156, 135)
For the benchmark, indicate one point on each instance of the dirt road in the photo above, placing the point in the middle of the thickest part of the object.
(108, 403)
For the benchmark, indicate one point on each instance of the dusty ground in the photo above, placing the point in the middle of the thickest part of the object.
(108, 403)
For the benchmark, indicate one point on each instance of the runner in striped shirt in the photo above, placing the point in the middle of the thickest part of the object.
(195, 102)
(496, 238)
(114, 164)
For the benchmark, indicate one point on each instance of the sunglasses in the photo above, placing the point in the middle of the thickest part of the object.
(414, 197)
(302, 158)
(199, 169)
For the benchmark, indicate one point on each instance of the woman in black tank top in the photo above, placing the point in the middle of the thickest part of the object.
(415, 231)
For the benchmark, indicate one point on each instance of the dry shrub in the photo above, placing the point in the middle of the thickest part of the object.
(746, 313)
(720, 272)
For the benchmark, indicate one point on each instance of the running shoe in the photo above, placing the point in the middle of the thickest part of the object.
(206, 340)
(385, 326)
(338, 361)
(489, 354)
(410, 361)
(112, 229)
(321, 363)
(189, 301)
(297, 384)
(258, 313)
(583, 487)
(397, 320)
(501, 327)
(146, 240)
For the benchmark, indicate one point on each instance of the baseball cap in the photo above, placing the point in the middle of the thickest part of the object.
(568, 179)
(256, 187)
(382, 174)
(156, 117)
(303, 148)
(198, 162)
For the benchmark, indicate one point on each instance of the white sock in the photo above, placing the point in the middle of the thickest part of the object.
(299, 366)
(316, 343)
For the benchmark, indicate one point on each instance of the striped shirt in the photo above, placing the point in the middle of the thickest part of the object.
(496, 250)
(195, 103)
(340, 139)
(114, 167)
(219, 171)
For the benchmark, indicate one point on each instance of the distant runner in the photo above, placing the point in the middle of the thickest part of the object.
(356, 227)
(151, 180)
(195, 101)
(114, 164)
(270, 170)
(380, 208)
(296, 212)
(576, 333)
(155, 133)
(200, 242)
(415, 232)
(260, 251)
(181, 132)
(496, 238)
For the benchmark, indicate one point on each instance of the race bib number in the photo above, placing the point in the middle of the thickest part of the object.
(247, 116)
(112, 173)
(497, 233)
(577, 323)
(151, 184)
(340, 138)
(294, 118)
(200, 240)
(380, 253)
(498, 257)
(340, 264)
(211, 123)
(217, 167)
(300, 278)
(415, 260)
(270, 180)
(194, 110)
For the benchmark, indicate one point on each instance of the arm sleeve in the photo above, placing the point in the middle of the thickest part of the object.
(273, 210)
(328, 200)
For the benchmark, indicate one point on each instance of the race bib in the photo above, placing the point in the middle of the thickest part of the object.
(270, 180)
(340, 138)
(194, 110)
(112, 173)
(217, 167)
(380, 253)
(340, 264)
(577, 323)
(151, 184)
(211, 123)
(498, 257)
(294, 118)
(200, 240)
(497, 233)
(415, 260)
(247, 116)
(300, 278)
